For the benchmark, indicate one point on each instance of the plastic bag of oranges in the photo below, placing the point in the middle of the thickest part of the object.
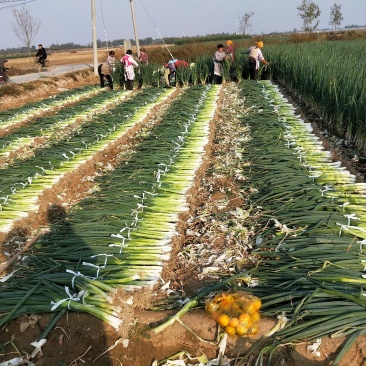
(236, 312)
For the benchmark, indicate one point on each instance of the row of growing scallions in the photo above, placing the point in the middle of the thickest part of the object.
(119, 237)
(305, 215)
(16, 116)
(21, 183)
(337, 94)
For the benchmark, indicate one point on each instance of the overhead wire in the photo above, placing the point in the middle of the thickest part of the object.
(105, 32)
(12, 6)
(161, 37)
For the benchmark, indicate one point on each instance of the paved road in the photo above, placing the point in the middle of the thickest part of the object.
(52, 71)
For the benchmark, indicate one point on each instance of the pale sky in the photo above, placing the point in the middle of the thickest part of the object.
(64, 21)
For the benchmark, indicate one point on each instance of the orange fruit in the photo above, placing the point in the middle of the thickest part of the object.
(244, 318)
(257, 303)
(211, 307)
(226, 301)
(223, 319)
(233, 322)
(230, 330)
(250, 308)
(241, 329)
(256, 317)
(230, 298)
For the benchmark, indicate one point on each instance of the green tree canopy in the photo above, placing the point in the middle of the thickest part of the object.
(309, 12)
(336, 16)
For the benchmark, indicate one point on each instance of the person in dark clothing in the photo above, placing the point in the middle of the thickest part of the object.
(41, 55)
(218, 58)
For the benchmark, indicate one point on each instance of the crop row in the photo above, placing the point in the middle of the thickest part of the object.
(22, 183)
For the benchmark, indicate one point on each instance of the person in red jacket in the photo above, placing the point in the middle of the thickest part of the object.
(143, 58)
(230, 50)
(181, 63)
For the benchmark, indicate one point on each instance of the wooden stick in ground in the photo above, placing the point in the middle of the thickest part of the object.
(27, 245)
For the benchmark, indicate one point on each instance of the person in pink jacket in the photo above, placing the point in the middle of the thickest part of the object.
(129, 64)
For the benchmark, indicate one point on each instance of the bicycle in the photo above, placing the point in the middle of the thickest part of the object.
(39, 65)
(4, 71)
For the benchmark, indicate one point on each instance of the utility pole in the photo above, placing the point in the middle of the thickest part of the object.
(94, 31)
(135, 30)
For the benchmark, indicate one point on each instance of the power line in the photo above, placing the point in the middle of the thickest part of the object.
(12, 1)
(161, 37)
(105, 33)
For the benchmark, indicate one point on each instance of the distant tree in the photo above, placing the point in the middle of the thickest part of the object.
(309, 12)
(245, 25)
(336, 16)
(25, 26)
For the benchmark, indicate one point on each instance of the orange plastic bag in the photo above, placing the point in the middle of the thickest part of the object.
(236, 312)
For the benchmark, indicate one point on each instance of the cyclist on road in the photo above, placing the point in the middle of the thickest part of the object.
(41, 55)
